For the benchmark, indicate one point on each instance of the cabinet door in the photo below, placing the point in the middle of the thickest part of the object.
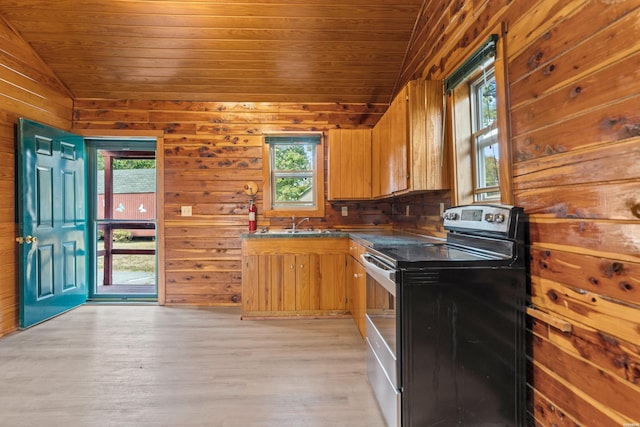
(289, 282)
(271, 273)
(382, 162)
(386, 157)
(349, 164)
(398, 143)
(302, 271)
(333, 274)
(259, 273)
(250, 282)
(376, 160)
(427, 165)
(390, 138)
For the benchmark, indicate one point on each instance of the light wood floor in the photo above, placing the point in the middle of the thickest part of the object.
(137, 365)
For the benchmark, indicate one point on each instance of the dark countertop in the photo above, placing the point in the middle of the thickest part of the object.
(370, 238)
(383, 238)
(287, 234)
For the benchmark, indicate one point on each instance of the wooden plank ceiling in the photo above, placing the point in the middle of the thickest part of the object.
(227, 50)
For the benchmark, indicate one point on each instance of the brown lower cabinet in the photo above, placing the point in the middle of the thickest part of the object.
(294, 276)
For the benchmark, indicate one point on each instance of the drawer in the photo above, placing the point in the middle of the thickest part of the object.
(355, 250)
(387, 395)
(382, 352)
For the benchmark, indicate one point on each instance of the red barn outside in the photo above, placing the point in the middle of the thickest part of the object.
(134, 197)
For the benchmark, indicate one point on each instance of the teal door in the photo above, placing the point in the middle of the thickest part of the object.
(52, 222)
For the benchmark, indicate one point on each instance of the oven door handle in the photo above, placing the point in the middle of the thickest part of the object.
(385, 276)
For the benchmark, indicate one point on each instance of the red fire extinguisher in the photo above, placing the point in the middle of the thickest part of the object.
(253, 211)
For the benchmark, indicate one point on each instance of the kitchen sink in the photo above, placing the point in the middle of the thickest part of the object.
(303, 232)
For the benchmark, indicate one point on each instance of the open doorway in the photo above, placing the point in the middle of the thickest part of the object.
(123, 219)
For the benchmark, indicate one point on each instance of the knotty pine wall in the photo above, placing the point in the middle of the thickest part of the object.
(574, 82)
(211, 150)
(574, 109)
(27, 89)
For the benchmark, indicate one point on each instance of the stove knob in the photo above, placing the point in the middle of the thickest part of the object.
(451, 216)
(488, 217)
(499, 218)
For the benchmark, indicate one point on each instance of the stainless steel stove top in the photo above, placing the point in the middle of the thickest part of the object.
(476, 234)
(435, 252)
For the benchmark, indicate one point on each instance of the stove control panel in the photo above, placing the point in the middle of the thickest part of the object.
(480, 218)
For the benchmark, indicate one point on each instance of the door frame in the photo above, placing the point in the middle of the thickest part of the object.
(160, 239)
(134, 148)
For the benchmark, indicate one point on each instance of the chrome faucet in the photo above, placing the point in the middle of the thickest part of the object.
(294, 225)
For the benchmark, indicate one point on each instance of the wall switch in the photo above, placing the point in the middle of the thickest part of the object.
(345, 211)
(186, 210)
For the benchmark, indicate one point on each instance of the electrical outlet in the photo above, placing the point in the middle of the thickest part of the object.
(186, 210)
(441, 209)
(345, 211)
(407, 211)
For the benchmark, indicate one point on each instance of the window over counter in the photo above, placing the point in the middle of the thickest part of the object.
(477, 117)
(485, 136)
(293, 175)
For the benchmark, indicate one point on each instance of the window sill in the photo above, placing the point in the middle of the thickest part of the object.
(279, 213)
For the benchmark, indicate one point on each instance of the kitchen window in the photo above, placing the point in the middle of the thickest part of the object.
(294, 175)
(477, 123)
(484, 137)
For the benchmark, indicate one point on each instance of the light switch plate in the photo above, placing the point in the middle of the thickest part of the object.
(186, 210)
(345, 211)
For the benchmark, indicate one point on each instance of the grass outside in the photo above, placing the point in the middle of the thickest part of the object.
(143, 263)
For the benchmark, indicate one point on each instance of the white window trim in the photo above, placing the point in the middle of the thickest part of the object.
(460, 132)
(482, 192)
(318, 209)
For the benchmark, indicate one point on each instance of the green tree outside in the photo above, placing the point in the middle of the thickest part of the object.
(489, 107)
(128, 163)
(293, 171)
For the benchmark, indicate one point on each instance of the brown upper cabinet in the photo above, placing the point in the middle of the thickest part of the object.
(349, 164)
(407, 142)
(390, 140)
(427, 164)
(406, 148)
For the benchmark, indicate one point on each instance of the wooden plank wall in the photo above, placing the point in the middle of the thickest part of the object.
(421, 213)
(573, 74)
(574, 81)
(211, 151)
(27, 89)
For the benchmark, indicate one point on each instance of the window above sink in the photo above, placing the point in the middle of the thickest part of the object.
(293, 175)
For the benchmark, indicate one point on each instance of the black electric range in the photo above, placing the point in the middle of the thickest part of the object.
(445, 322)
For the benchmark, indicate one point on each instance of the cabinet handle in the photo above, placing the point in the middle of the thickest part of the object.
(301, 265)
(292, 266)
